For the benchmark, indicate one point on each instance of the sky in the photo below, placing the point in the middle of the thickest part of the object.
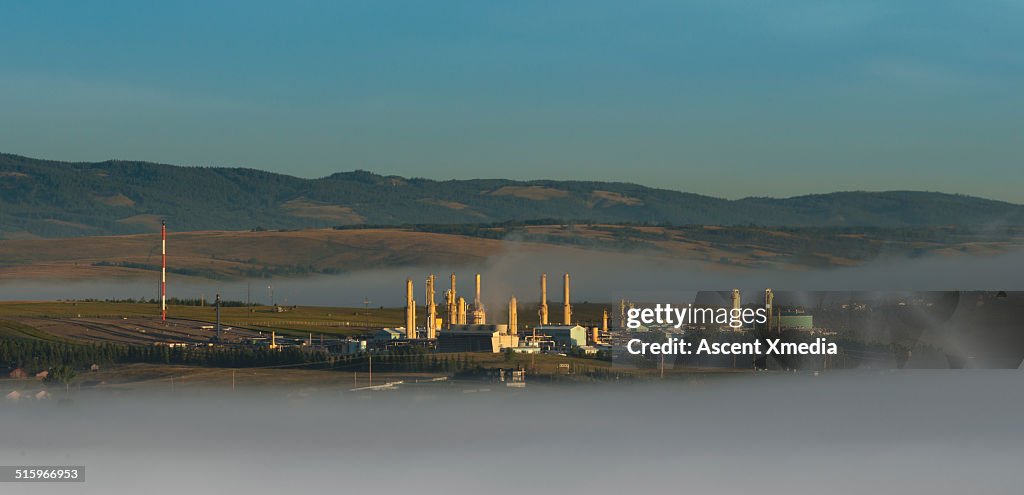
(721, 97)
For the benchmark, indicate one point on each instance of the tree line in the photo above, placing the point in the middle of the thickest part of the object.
(37, 355)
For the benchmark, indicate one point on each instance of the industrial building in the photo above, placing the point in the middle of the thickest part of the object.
(476, 338)
(532, 347)
(351, 346)
(564, 335)
(466, 327)
(386, 334)
(794, 319)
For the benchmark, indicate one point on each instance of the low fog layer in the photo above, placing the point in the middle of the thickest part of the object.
(843, 433)
(596, 276)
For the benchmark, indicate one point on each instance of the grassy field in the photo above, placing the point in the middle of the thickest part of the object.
(298, 320)
(15, 330)
(233, 254)
(541, 364)
(119, 322)
(225, 254)
(182, 379)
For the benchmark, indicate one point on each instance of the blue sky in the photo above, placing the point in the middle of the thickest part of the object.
(720, 97)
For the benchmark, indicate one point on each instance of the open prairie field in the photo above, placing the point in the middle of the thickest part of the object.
(150, 376)
(181, 379)
(244, 254)
(134, 331)
(223, 254)
(140, 323)
(303, 382)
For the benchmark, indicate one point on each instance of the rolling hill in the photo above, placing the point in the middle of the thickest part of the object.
(268, 254)
(41, 198)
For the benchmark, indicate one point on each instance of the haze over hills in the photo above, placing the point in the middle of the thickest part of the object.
(41, 198)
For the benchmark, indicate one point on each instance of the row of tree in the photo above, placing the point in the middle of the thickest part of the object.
(38, 355)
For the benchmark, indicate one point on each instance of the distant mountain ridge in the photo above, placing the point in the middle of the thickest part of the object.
(43, 198)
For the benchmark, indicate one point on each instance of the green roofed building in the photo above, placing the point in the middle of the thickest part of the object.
(794, 320)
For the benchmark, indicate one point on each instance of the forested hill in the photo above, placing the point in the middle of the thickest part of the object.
(58, 199)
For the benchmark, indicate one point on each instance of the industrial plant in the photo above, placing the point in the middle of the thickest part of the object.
(432, 327)
(461, 325)
(467, 327)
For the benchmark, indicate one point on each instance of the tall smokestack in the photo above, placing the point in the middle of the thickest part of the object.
(451, 301)
(410, 311)
(431, 309)
(449, 307)
(604, 321)
(566, 308)
(218, 317)
(769, 299)
(479, 313)
(163, 270)
(543, 311)
(460, 318)
(736, 299)
(513, 317)
(476, 300)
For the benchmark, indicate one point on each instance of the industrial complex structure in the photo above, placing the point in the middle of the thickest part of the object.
(466, 327)
(462, 326)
